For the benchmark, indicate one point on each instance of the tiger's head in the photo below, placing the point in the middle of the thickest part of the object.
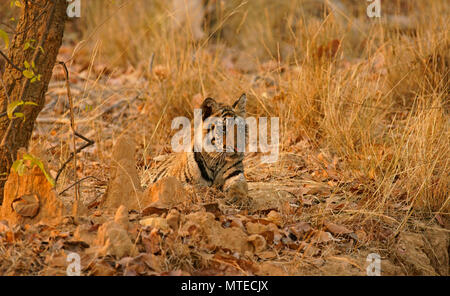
(224, 129)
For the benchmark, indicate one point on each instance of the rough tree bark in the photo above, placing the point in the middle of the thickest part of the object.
(42, 21)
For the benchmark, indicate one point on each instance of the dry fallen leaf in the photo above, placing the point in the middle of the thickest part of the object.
(152, 242)
(309, 249)
(275, 217)
(337, 229)
(102, 268)
(322, 237)
(150, 210)
(26, 205)
(212, 208)
(258, 241)
(300, 229)
(173, 219)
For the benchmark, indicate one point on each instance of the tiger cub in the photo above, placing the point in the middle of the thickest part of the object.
(223, 170)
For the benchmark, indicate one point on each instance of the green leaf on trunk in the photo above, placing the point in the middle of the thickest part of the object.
(13, 106)
(20, 166)
(28, 74)
(35, 161)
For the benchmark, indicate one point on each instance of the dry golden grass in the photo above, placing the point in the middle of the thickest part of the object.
(380, 104)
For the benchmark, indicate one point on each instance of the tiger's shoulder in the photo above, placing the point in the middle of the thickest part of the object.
(182, 166)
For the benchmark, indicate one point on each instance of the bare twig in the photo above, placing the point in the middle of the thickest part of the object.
(150, 63)
(8, 129)
(10, 62)
(89, 143)
(78, 182)
(72, 126)
(9, 27)
(36, 4)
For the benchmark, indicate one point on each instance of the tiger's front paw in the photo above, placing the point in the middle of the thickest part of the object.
(237, 195)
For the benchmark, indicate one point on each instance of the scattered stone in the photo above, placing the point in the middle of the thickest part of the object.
(83, 233)
(166, 193)
(300, 229)
(121, 217)
(124, 187)
(30, 198)
(112, 238)
(173, 219)
(203, 227)
(275, 217)
(258, 228)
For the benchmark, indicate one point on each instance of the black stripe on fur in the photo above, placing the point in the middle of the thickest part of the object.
(235, 173)
(201, 165)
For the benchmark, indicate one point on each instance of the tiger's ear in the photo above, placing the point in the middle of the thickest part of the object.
(240, 104)
(209, 106)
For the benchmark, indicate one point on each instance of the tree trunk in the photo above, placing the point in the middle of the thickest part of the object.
(42, 21)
